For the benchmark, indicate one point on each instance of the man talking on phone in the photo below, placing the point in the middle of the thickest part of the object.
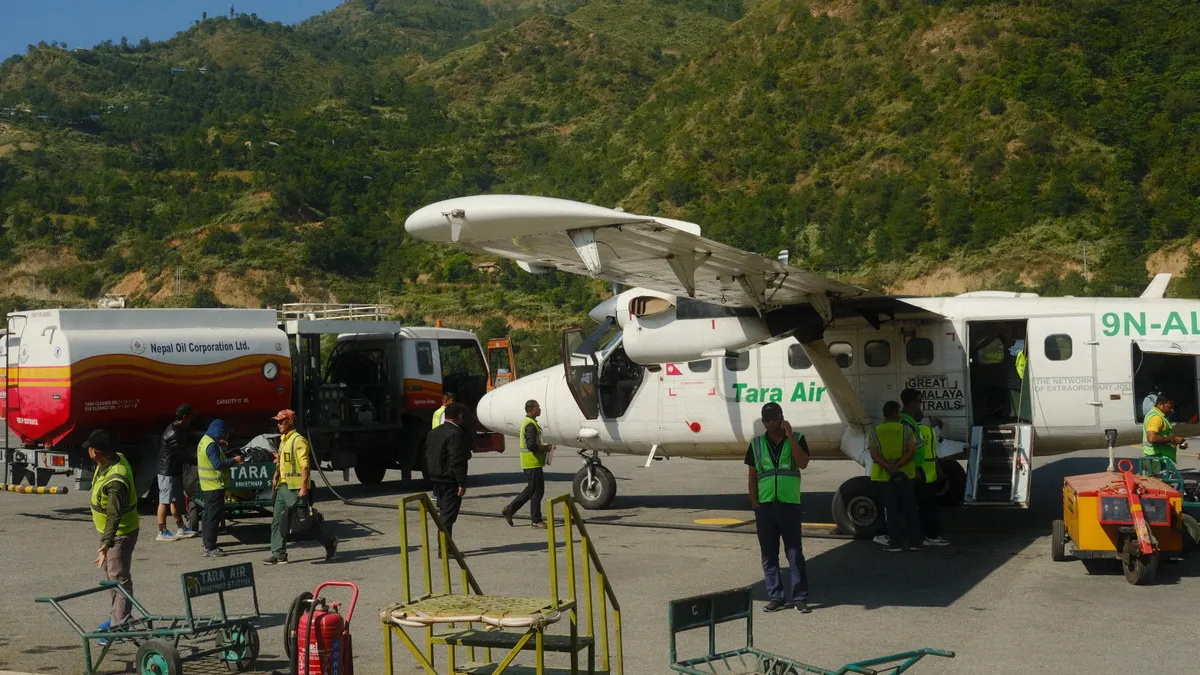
(775, 460)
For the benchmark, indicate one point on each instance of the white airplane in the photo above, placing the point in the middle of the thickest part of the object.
(708, 333)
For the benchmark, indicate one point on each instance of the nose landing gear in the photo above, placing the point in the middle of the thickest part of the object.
(594, 487)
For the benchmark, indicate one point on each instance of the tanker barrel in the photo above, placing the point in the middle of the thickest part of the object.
(30, 490)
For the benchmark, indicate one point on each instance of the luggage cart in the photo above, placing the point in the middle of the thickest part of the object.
(708, 611)
(157, 637)
(1187, 481)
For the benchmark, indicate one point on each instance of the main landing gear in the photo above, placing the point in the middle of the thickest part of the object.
(858, 503)
(594, 487)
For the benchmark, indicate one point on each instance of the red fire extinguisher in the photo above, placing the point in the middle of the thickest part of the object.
(322, 635)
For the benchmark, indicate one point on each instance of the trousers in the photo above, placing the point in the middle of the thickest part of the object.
(927, 506)
(448, 504)
(214, 509)
(774, 521)
(900, 506)
(117, 562)
(286, 501)
(535, 489)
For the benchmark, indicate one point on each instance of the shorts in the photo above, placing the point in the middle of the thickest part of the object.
(170, 490)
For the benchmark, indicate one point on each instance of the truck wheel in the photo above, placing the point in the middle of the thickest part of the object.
(858, 508)
(597, 493)
(1139, 569)
(1058, 541)
(953, 486)
(1191, 534)
(369, 470)
(158, 657)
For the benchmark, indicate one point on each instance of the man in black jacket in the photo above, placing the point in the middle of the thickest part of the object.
(170, 474)
(447, 450)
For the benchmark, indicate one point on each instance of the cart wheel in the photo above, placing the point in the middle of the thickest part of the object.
(158, 657)
(291, 629)
(1191, 534)
(1139, 569)
(238, 646)
(1058, 541)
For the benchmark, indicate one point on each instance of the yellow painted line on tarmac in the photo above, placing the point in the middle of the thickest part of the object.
(735, 521)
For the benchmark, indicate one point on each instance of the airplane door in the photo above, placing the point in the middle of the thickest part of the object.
(582, 371)
(877, 369)
(1062, 365)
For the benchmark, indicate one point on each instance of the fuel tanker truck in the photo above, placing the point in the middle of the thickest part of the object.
(366, 406)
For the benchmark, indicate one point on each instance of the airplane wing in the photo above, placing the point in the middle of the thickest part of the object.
(651, 252)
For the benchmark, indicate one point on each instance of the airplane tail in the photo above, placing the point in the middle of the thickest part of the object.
(1157, 287)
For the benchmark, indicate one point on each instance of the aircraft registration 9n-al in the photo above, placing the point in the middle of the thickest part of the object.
(707, 333)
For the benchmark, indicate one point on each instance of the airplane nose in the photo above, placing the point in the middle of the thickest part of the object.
(503, 409)
(430, 223)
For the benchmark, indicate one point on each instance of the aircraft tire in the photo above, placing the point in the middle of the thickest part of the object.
(953, 486)
(594, 497)
(858, 508)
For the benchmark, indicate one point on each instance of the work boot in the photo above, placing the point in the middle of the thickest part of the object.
(331, 549)
(276, 560)
(508, 514)
(774, 606)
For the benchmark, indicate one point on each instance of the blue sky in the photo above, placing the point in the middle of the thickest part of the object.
(84, 23)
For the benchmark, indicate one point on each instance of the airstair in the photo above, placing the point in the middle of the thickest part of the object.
(1000, 465)
(495, 630)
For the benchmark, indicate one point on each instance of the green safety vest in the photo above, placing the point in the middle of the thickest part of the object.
(1021, 361)
(890, 438)
(438, 416)
(532, 458)
(1158, 449)
(929, 465)
(210, 478)
(115, 471)
(925, 459)
(776, 483)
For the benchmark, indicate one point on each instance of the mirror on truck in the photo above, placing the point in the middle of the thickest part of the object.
(502, 366)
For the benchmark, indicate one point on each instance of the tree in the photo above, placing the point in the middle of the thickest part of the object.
(203, 297)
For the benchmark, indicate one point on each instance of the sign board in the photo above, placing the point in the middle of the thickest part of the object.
(251, 476)
(218, 580)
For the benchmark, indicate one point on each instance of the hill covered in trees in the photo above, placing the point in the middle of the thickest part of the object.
(884, 141)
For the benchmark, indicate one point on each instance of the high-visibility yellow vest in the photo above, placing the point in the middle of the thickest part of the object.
(890, 438)
(1158, 449)
(532, 458)
(210, 478)
(115, 471)
(438, 416)
(290, 448)
(776, 483)
(929, 438)
(1021, 361)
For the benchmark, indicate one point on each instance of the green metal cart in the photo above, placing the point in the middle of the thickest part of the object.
(1187, 481)
(157, 637)
(709, 611)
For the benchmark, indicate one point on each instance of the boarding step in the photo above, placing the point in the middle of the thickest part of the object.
(490, 668)
(502, 639)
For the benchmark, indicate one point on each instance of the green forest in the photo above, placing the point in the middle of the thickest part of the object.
(877, 140)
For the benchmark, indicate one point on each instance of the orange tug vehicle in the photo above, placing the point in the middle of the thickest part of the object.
(1117, 515)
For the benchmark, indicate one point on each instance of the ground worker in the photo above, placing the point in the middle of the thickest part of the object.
(775, 459)
(893, 447)
(440, 413)
(114, 512)
(1157, 430)
(1015, 362)
(447, 451)
(213, 468)
(291, 490)
(170, 475)
(533, 459)
(925, 463)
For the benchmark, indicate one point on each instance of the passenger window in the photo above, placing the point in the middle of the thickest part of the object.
(877, 353)
(738, 362)
(424, 358)
(919, 351)
(843, 353)
(1058, 347)
(700, 366)
(798, 359)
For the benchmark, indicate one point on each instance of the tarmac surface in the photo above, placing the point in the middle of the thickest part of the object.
(994, 596)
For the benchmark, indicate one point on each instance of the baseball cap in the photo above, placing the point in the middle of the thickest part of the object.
(99, 439)
(772, 410)
(284, 415)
